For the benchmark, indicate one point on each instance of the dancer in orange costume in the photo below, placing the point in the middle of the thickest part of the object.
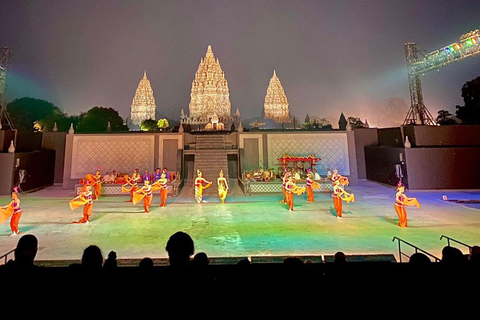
(401, 200)
(145, 193)
(12, 209)
(131, 186)
(340, 194)
(310, 185)
(285, 178)
(84, 199)
(88, 181)
(291, 188)
(222, 186)
(97, 186)
(199, 187)
(162, 185)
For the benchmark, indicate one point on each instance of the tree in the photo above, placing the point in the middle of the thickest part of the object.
(97, 118)
(162, 123)
(26, 112)
(355, 122)
(470, 112)
(445, 118)
(149, 125)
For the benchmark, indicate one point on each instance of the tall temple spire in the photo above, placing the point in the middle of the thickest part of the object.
(209, 94)
(143, 104)
(276, 102)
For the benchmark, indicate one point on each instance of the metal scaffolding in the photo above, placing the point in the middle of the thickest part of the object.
(417, 64)
(5, 121)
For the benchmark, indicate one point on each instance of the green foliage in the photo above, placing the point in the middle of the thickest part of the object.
(25, 112)
(97, 118)
(470, 112)
(162, 123)
(355, 122)
(149, 125)
(445, 118)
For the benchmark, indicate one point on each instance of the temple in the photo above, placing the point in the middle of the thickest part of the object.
(276, 103)
(210, 104)
(143, 104)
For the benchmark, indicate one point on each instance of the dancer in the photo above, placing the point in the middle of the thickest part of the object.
(340, 194)
(222, 186)
(401, 200)
(145, 193)
(162, 185)
(311, 185)
(12, 209)
(97, 186)
(131, 186)
(84, 199)
(291, 188)
(199, 187)
(285, 178)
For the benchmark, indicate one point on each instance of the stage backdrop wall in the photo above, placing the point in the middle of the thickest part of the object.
(333, 147)
(123, 152)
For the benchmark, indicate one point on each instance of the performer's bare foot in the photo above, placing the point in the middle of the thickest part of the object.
(129, 201)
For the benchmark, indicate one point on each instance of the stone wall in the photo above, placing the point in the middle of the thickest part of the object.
(333, 147)
(123, 152)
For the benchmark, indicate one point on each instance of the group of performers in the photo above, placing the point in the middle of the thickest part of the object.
(201, 184)
(289, 188)
(92, 191)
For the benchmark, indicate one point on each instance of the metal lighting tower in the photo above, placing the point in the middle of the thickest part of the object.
(5, 121)
(468, 46)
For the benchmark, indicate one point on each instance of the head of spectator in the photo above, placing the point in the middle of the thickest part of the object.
(26, 251)
(180, 248)
(92, 258)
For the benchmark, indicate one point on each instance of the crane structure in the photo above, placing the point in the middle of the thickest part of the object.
(5, 121)
(419, 63)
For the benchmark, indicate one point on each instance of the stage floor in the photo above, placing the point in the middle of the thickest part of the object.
(246, 225)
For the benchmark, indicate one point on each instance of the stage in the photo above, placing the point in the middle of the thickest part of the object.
(256, 225)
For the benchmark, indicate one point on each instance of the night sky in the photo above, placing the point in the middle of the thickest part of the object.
(331, 56)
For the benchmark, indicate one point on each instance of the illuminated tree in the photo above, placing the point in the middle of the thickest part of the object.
(149, 125)
(162, 123)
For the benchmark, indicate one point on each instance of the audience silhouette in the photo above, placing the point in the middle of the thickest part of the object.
(180, 248)
(24, 255)
(197, 276)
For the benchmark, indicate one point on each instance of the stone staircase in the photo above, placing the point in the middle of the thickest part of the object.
(210, 158)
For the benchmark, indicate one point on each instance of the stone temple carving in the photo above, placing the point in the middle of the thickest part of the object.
(143, 104)
(209, 94)
(276, 103)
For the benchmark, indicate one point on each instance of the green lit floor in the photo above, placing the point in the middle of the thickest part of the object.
(246, 225)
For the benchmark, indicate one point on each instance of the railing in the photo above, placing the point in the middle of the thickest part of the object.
(417, 249)
(5, 256)
(459, 242)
